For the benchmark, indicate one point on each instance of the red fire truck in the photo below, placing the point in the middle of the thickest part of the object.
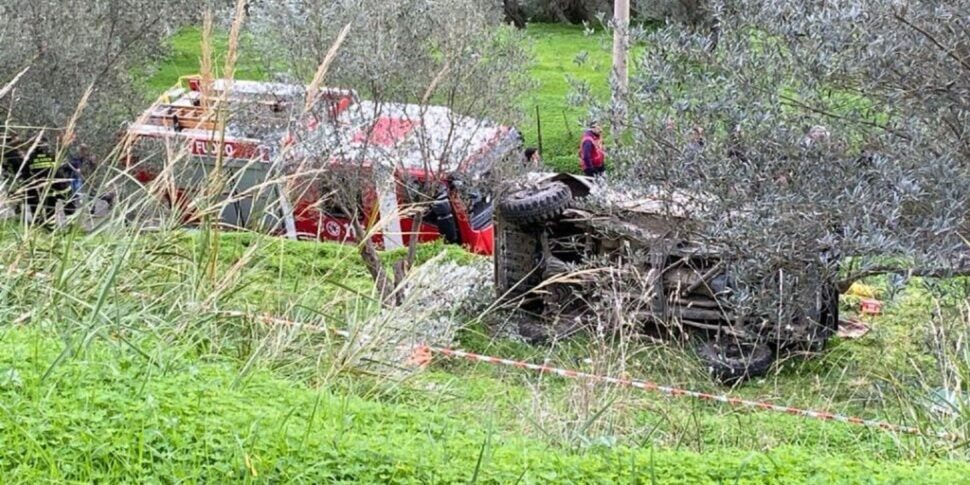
(288, 161)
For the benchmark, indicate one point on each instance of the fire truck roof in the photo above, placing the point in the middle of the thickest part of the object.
(271, 120)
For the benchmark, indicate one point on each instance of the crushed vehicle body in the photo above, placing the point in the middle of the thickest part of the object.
(289, 159)
(561, 254)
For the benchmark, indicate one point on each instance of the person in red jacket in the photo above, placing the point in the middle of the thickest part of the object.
(592, 158)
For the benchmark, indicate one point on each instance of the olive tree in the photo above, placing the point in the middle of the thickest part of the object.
(514, 13)
(824, 142)
(419, 53)
(563, 11)
(694, 12)
(702, 16)
(574, 11)
(71, 45)
(691, 12)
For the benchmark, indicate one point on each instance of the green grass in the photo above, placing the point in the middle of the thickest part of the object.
(109, 414)
(185, 53)
(277, 275)
(556, 50)
(318, 271)
(169, 388)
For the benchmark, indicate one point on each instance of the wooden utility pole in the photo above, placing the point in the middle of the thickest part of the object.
(621, 70)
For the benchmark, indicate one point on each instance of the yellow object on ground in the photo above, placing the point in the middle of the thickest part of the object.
(862, 291)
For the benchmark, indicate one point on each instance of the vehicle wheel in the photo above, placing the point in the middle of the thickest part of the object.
(516, 261)
(558, 299)
(730, 362)
(536, 204)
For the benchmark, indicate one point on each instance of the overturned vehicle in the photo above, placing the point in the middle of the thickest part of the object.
(567, 257)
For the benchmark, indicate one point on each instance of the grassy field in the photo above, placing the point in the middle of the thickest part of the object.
(185, 51)
(119, 361)
(556, 50)
(109, 413)
(128, 367)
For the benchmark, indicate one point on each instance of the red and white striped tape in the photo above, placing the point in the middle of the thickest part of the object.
(423, 354)
(677, 392)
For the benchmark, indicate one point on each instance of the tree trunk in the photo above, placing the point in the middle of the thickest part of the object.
(514, 13)
(400, 274)
(385, 287)
(372, 261)
(413, 243)
(621, 71)
(568, 11)
(845, 283)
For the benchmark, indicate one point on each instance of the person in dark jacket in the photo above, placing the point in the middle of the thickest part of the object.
(592, 157)
(47, 184)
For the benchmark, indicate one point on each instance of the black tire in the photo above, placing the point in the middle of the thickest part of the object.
(730, 362)
(536, 204)
(516, 261)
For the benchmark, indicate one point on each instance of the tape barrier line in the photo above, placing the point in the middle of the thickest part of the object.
(678, 392)
(422, 355)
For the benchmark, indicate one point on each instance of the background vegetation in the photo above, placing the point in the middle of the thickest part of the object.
(120, 358)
